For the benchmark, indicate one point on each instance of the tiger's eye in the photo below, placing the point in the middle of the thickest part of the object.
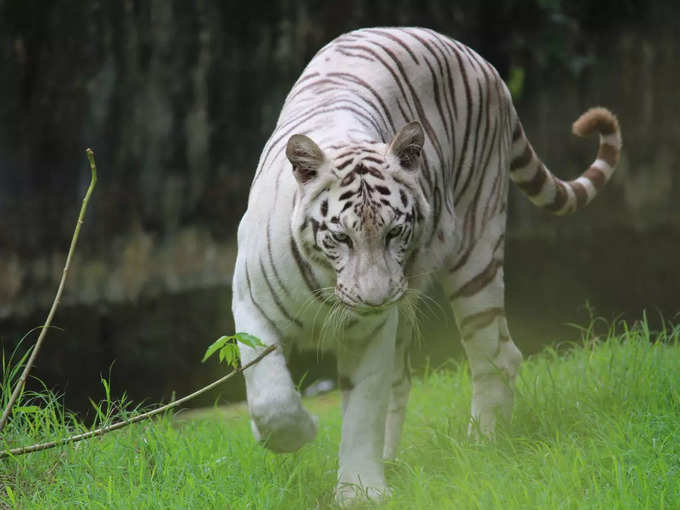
(340, 237)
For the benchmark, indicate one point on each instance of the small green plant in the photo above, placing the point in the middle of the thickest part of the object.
(227, 347)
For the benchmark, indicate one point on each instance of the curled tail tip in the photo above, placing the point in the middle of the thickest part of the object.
(596, 120)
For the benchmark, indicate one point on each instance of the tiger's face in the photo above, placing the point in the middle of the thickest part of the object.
(359, 211)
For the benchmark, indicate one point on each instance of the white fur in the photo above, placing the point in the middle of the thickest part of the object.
(272, 299)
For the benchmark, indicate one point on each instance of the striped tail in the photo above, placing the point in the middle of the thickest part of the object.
(564, 197)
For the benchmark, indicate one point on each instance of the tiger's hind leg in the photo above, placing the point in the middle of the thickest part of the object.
(476, 291)
(401, 386)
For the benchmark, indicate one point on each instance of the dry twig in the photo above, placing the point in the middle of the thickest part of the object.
(57, 298)
(134, 419)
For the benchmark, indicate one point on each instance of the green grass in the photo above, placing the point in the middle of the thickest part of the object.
(595, 426)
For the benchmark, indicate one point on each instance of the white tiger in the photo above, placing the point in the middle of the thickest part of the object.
(388, 166)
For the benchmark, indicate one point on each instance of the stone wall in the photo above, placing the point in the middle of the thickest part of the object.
(178, 98)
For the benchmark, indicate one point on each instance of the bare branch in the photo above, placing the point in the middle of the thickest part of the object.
(57, 298)
(134, 419)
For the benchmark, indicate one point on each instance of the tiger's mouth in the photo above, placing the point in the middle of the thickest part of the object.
(370, 310)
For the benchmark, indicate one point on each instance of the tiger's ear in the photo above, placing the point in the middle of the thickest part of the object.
(305, 156)
(407, 145)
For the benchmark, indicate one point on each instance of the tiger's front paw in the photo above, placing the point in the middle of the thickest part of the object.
(283, 428)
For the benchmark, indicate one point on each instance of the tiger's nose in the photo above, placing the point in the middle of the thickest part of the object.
(369, 302)
(379, 293)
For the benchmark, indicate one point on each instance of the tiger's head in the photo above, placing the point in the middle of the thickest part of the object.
(360, 211)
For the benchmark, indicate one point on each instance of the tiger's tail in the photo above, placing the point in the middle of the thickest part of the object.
(564, 197)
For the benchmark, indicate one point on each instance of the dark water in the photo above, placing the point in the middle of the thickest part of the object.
(153, 348)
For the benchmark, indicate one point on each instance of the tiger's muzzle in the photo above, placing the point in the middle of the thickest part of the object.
(370, 299)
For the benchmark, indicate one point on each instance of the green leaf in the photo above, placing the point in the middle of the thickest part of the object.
(516, 82)
(26, 409)
(227, 347)
(10, 494)
(231, 354)
(107, 388)
(249, 340)
(215, 346)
